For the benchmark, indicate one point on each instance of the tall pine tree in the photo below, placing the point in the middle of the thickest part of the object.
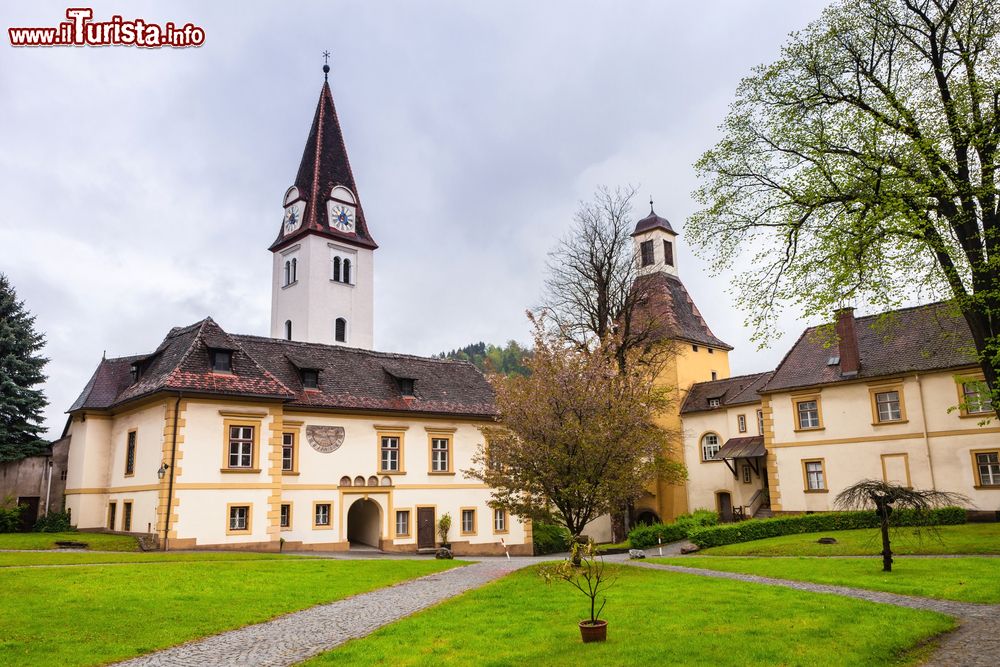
(20, 370)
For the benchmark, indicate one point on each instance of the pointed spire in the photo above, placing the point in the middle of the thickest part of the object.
(651, 211)
(325, 165)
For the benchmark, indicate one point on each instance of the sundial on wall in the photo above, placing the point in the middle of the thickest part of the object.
(325, 439)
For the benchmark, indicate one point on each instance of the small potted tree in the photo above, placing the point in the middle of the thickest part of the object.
(590, 578)
(444, 525)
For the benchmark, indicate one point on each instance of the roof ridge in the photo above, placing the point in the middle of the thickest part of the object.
(733, 377)
(358, 350)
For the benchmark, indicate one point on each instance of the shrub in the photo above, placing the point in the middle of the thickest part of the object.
(759, 529)
(10, 515)
(549, 538)
(53, 522)
(643, 537)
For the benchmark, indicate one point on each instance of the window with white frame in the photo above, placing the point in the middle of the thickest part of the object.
(286, 516)
(402, 522)
(887, 406)
(240, 446)
(808, 413)
(288, 451)
(499, 520)
(239, 516)
(988, 468)
(709, 446)
(390, 453)
(747, 477)
(815, 480)
(439, 454)
(976, 397)
(322, 517)
(760, 422)
(468, 521)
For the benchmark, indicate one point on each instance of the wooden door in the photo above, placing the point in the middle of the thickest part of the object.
(725, 507)
(425, 527)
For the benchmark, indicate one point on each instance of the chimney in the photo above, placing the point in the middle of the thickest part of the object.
(850, 355)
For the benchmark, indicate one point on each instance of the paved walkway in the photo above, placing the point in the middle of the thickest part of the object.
(976, 643)
(294, 637)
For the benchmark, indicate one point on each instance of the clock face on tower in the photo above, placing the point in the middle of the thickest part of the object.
(341, 216)
(293, 218)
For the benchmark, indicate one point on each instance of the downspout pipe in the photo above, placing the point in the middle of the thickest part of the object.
(173, 462)
(923, 426)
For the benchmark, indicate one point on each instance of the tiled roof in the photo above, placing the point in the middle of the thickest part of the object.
(652, 221)
(740, 390)
(919, 339)
(668, 306)
(325, 165)
(267, 368)
(747, 447)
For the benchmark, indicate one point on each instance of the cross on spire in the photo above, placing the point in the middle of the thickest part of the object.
(326, 65)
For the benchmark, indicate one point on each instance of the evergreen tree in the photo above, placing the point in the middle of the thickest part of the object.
(20, 370)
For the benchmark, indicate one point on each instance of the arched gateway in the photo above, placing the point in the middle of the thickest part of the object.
(364, 523)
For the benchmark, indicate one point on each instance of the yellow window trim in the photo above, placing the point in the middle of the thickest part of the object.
(249, 528)
(135, 454)
(804, 398)
(245, 421)
(439, 435)
(291, 513)
(329, 525)
(112, 517)
(975, 468)
(897, 387)
(295, 450)
(398, 433)
(960, 382)
(131, 503)
(805, 476)
(409, 522)
(506, 521)
(475, 521)
(906, 466)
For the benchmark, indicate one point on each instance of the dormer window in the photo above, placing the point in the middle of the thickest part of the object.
(406, 386)
(222, 361)
(135, 371)
(714, 402)
(310, 378)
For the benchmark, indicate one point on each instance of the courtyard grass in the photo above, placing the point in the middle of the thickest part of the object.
(970, 538)
(29, 558)
(95, 614)
(94, 541)
(655, 618)
(969, 579)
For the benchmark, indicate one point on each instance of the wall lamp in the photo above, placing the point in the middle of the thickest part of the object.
(161, 473)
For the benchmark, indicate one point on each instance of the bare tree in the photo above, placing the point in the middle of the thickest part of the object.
(591, 292)
(885, 498)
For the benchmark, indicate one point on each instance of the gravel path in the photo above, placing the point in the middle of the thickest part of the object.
(294, 637)
(976, 642)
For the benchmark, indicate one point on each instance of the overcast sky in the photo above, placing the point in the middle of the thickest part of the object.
(141, 188)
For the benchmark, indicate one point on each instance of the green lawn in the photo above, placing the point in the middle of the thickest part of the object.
(95, 541)
(655, 618)
(965, 579)
(94, 614)
(23, 558)
(970, 538)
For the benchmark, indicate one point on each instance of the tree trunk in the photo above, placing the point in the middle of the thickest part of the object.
(886, 547)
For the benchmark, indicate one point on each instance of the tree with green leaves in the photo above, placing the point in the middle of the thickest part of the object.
(861, 166)
(578, 436)
(21, 365)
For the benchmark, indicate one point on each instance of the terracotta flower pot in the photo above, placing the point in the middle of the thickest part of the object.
(593, 632)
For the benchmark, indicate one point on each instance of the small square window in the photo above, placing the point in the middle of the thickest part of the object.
(222, 361)
(322, 518)
(808, 414)
(406, 386)
(988, 468)
(976, 398)
(888, 407)
(714, 402)
(694, 348)
(310, 378)
(239, 518)
(815, 479)
(468, 521)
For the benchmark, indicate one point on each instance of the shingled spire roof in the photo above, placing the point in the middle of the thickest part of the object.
(325, 165)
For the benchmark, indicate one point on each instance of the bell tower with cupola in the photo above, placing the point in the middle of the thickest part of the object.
(655, 241)
(322, 281)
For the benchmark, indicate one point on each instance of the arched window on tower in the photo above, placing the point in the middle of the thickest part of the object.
(288, 274)
(288, 329)
(340, 330)
(336, 269)
(295, 269)
(347, 271)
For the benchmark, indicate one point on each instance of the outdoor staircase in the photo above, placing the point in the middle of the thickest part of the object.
(763, 512)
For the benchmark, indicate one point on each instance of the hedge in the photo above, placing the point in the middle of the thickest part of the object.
(549, 538)
(643, 537)
(759, 529)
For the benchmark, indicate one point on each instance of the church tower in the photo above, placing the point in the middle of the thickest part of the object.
(698, 355)
(322, 281)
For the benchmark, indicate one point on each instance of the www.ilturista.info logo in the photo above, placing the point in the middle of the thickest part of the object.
(80, 30)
